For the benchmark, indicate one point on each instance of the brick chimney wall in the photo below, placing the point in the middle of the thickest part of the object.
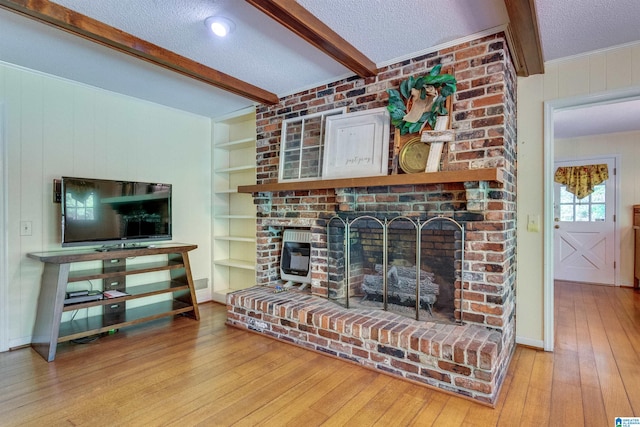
(484, 118)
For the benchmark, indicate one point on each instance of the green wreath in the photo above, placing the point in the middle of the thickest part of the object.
(440, 85)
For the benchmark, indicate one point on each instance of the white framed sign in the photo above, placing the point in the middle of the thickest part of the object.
(357, 144)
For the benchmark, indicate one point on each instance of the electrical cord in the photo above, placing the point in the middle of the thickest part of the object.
(90, 338)
(85, 340)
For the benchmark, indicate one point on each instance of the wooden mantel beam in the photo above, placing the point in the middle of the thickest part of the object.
(296, 18)
(525, 37)
(98, 32)
(442, 177)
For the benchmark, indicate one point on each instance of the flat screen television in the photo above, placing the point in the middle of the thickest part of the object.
(114, 213)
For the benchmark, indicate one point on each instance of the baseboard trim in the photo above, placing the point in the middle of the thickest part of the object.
(530, 342)
(203, 295)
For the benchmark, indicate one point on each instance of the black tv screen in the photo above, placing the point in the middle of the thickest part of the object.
(109, 212)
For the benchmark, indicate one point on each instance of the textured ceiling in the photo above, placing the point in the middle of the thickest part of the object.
(571, 27)
(391, 29)
(264, 54)
(597, 119)
(255, 52)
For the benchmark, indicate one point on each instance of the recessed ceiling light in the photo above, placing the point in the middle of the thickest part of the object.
(220, 26)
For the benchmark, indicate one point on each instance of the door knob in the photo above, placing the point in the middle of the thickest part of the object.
(556, 226)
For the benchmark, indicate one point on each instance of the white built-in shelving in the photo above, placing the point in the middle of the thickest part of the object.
(234, 214)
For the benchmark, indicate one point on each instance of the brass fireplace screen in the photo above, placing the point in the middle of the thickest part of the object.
(401, 264)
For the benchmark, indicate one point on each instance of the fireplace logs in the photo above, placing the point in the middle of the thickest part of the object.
(401, 286)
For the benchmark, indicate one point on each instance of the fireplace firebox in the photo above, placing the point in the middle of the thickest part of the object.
(400, 264)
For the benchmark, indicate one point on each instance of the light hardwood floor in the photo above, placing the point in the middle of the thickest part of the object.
(185, 373)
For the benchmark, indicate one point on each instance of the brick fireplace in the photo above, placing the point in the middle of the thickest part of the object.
(469, 358)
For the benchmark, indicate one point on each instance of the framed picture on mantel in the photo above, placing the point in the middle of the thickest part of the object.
(357, 144)
(302, 146)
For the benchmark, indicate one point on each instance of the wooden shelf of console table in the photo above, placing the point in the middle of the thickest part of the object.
(489, 174)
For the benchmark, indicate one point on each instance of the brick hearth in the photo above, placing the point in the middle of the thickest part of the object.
(449, 357)
(470, 359)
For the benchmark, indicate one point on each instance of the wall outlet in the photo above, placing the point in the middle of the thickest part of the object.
(25, 228)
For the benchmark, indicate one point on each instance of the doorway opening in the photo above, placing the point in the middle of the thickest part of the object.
(551, 108)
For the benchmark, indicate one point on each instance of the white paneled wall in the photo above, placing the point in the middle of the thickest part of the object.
(56, 127)
(595, 73)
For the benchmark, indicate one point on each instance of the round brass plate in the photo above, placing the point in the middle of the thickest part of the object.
(413, 156)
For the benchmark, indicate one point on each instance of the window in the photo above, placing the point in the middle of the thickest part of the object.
(588, 209)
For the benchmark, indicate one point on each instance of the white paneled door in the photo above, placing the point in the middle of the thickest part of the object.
(584, 230)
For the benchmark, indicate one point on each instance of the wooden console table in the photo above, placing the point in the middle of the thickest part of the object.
(49, 330)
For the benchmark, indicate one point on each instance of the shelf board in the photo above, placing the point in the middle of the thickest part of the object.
(237, 263)
(236, 239)
(98, 273)
(491, 174)
(235, 169)
(81, 255)
(224, 291)
(235, 217)
(139, 291)
(237, 144)
(79, 328)
(220, 295)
